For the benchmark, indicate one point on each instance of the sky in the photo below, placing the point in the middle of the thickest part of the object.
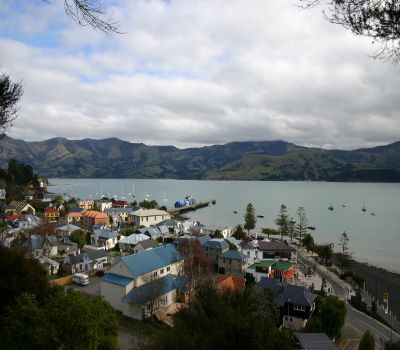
(191, 73)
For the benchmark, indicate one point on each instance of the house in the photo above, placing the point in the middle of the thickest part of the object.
(103, 204)
(50, 265)
(120, 204)
(148, 217)
(225, 282)
(9, 210)
(2, 193)
(213, 248)
(284, 271)
(233, 263)
(104, 238)
(277, 250)
(23, 207)
(66, 230)
(152, 232)
(175, 227)
(139, 284)
(91, 218)
(90, 260)
(145, 245)
(51, 214)
(251, 250)
(42, 246)
(295, 303)
(66, 247)
(87, 204)
(74, 217)
(120, 214)
(26, 221)
(210, 230)
(129, 242)
(202, 239)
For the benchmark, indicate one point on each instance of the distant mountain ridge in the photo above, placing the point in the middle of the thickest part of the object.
(252, 160)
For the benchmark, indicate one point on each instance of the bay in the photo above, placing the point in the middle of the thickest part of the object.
(374, 239)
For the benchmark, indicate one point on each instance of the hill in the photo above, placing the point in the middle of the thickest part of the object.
(261, 160)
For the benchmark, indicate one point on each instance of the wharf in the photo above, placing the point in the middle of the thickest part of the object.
(177, 211)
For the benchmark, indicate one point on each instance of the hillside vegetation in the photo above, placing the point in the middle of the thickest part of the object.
(263, 160)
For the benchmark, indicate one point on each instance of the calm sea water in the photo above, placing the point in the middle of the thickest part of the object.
(374, 239)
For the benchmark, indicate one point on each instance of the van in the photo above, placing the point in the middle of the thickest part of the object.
(81, 278)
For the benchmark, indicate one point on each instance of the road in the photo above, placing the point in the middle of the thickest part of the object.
(356, 321)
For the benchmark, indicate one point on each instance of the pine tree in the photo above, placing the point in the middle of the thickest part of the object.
(282, 221)
(250, 218)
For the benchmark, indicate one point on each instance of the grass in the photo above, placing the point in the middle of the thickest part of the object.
(141, 328)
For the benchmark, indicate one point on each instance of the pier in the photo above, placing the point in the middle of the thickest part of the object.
(177, 211)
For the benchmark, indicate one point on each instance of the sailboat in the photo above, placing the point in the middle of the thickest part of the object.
(363, 207)
(330, 207)
(133, 192)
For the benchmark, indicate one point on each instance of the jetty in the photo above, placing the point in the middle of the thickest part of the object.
(177, 211)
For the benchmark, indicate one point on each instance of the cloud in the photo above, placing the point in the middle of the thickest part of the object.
(192, 73)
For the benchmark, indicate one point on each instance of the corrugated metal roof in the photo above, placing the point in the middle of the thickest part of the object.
(233, 255)
(117, 279)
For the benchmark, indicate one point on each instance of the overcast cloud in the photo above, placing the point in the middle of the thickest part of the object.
(198, 72)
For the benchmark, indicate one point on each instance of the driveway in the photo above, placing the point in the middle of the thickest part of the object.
(92, 288)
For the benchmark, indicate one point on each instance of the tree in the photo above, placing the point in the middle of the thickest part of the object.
(79, 237)
(301, 226)
(308, 242)
(269, 231)
(343, 257)
(367, 341)
(325, 252)
(344, 242)
(239, 233)
(217, 234)
(146, 204)
(20, 274)
(196, 264)
(249, 218)
(282, 221)
(10, 94)
(291, 229)
(240, 319)
(375, 19)
(55, 325)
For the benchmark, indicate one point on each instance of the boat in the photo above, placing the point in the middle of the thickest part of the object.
(343, 205)
(234, 212)
(330, 207)
(311, 227)
(260, 216)
(363, 207)
(373, 214)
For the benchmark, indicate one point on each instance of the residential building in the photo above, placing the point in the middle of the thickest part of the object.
(277, 250)
(51, 214)
(295, 303)
(251, 250)
(2, 193)
(104, 238)
(140, 283)
(50, 265)
(284, 271)
(102, 204)
(148, 217)
(213, 248)
(91, 218)
(120, 214)
(90, 260)
(26, 221)
(42, 246)
(129, 242)
(23, 207)
(120, 204)
(87, 204)
(66, 230)
(66, 247)
(74, 217)
(232, 263)
(145, 245)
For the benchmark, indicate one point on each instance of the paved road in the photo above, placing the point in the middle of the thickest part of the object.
(356, 322)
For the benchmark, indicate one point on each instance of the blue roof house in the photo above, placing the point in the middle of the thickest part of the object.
(104, 238)
(142, 283)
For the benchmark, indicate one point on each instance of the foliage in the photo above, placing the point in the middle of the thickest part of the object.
(65, 321)
(231, 245)
(239, 233)
(328, 317)
(301, 226)
(10, 94)
(269, 231)
(127, 231)
(325, 252)
(217, 234)
(250, 218)
(291, 229)
(282, 221)
(308, 242)
(392, 345)
(20, 274)
(375, 19)
(79, 237)
(367, 341)
(146, 204)
(344, 261)
(227, 320)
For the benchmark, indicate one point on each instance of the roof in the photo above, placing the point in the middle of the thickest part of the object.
(153, 289)
(282, 265)
(233, 255)
(95, 214)
(91, 254)
(149, 231)
(134, 238)
(117, 279)
(201, 239)
(287, 293)
(263, 264)
(74, 214)
(150, 260)
(105, 233)
(11, 218)
(168, 222)
(315, 341)
(69, 228)
(150, 212)
(216, 243)
(231, 282)
(148, 243)
(118, 210)
(51, 210)
(37, 242)
(249, 244)
(19, 205)
(275, 246)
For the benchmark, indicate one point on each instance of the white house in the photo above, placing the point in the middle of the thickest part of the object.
(148, 217)
(140, 283)
(90, 260)
(103, 204)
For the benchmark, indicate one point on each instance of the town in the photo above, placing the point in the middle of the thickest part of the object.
(151, 266)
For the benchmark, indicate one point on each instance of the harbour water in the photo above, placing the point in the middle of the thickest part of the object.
(375, 239)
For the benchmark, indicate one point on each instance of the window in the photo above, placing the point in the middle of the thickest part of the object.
(223, 260)
(161, 271)
(230, 262)
(168, 268)
(155, 273)
(299, 307)
(256, 252)
(248, 253)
